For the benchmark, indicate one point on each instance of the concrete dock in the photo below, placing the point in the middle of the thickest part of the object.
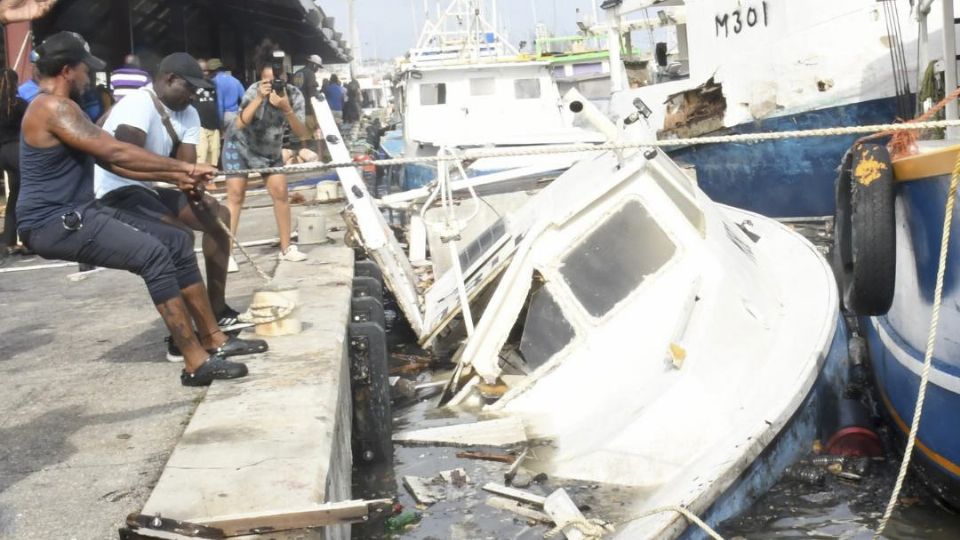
(279, 439)
(92, 412)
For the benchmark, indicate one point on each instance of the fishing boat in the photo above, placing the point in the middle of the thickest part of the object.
(706, 338)
(464, 86)
(888, 260)
(763, 66)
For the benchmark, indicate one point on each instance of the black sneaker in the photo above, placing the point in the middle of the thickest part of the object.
(229, 322)
(235, 346)
(173, 352)
(215, 368)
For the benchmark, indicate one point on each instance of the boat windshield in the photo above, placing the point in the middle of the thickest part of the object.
(616, 258)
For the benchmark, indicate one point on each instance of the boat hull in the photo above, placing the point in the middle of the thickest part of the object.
(897, 341)
(782, 178)
(790, 445)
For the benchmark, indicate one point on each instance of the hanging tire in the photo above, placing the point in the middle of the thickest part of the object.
(865, 230)
(372, 417)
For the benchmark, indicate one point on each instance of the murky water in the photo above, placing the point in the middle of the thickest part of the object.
(793, 509)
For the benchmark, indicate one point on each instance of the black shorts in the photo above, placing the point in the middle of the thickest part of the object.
(160, 205)
(160, 253)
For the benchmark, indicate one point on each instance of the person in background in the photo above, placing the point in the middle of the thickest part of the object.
(334, 94)
(208, 149)
(127, 79)
(12, 108)
(351, 108)
(91, 104)
(306, 81)
(256, 140)
(29, 89)
(229, 92)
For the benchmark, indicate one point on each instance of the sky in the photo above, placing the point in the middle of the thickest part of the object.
(387, 26)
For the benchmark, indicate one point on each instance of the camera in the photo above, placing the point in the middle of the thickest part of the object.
(278, 84)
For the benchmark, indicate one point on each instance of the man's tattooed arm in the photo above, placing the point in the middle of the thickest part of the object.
(70, 125)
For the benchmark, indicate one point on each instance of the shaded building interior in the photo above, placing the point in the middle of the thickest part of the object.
(227, 29)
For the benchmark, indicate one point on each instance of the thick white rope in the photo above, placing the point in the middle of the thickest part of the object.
(593, 529)
(928, 356)
(691, 517)
(586, 147)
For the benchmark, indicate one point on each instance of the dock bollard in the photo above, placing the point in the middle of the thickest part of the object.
(312, 228)
(275, 296)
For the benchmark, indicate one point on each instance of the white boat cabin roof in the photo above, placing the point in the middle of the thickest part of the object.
(474, 104)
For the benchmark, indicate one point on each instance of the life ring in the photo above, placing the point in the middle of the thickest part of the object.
(865, 247)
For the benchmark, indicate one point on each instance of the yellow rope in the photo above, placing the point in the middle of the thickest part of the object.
(928, 356)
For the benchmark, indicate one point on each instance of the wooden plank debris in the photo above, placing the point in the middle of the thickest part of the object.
(562, 510)
(488, 456)
(512, 471)
(516, 494)
(502, 503)
(430, 389)
(500, 432)
(319, 516)
(428, 491)
(423, 490)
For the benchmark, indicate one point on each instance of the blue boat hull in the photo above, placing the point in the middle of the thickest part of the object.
(897, 340)
(786, 178)
(790, 445)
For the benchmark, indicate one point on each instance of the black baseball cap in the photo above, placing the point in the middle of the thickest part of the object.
(183, 65)
(69, 46)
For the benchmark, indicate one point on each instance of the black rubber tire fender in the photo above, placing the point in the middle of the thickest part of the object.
(865, 230)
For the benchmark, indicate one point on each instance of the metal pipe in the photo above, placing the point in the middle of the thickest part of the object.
(617, 70)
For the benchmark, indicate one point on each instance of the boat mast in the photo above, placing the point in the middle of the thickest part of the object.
(356, 60)
(950, 63)
(461, 30)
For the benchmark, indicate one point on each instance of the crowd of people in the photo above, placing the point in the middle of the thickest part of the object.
(115, 176)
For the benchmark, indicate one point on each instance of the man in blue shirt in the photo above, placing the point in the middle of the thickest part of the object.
(334, 94)
(229, 92)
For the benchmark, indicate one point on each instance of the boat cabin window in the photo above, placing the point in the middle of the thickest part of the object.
(526, 88)
(433, 94)
(545, 330)
(486, 86)
(614, 259)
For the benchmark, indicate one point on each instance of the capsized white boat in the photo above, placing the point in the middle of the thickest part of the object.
(670, 341)
(652, 338)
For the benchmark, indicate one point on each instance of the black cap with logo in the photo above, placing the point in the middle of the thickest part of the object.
(69, 46)
(186, 67)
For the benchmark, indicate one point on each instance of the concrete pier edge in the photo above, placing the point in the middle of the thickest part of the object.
(278, 439)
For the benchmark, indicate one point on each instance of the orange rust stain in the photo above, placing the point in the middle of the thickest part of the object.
(869, 169)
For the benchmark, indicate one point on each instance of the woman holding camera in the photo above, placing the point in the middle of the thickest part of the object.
(255, 141)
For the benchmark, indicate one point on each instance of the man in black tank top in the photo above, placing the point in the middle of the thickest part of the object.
(59, 218)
